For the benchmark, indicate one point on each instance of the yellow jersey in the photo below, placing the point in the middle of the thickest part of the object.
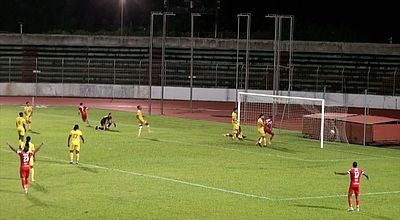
(139, 116)
(31, 146)
(234, 118)
(260, 124)
(75, 137)
(20, 122)
(28, 110)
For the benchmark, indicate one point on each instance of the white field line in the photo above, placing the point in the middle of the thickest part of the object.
(221, 189)
(216, 188)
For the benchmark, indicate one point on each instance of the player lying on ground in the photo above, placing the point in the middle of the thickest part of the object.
(106, 122)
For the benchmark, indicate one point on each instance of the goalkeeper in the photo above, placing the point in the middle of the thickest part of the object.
(237, 130)
(141, 121)
(106, 122)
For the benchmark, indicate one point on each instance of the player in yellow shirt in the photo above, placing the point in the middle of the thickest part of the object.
(21, 126)
(31, 147)
(74, 143)
(236, 129)
(141, 121)
(261, 132)
(28, 115)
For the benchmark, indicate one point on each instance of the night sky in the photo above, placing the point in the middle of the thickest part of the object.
(314, 20)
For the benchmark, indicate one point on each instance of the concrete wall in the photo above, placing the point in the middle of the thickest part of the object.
(181, 93)
(200, 43)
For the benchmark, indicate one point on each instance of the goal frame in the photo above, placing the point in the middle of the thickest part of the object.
(288, 98)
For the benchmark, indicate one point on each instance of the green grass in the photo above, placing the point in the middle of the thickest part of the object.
(186, 169)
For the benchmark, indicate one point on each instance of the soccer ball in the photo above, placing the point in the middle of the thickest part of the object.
(332, 131)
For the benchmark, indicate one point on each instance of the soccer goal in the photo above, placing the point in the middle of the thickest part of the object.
(310, 116)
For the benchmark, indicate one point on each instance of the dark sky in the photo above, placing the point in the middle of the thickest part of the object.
(314, 20)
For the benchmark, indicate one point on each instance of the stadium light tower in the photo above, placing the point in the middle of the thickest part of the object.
(248, 16)
(164, 14)
(153, 13)
(122, 2)
(192, 15)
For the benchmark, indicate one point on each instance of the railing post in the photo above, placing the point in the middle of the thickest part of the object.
(216, 75)
(9, 69)
(394, 82)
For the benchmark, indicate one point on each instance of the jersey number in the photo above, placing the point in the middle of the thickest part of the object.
(26, 158)
(74, 136)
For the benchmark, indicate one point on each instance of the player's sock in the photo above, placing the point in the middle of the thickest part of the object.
(265, 142)
(148, 128)
(33, 174)
(77, 158)
(139, 132)
(71, 157)
(350, 202)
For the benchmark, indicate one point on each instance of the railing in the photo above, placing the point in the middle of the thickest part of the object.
(377, 79)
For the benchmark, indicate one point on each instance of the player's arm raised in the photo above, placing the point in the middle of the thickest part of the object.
(12, 148)
(38, 148)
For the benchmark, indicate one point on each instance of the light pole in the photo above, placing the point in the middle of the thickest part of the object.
(165, 14)
(122, 16)
(248, 16)
(192, 15)
(277, 50)
(153, 13)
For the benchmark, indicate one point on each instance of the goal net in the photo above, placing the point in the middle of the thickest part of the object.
(296, 114)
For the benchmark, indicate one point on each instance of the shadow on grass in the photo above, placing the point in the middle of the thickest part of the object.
(38, 187)
(151, 139)
(113, 130)
(283, 149)
(34, 132)
(317, 207)
(88, 169)
(35, 201)
(52, 161)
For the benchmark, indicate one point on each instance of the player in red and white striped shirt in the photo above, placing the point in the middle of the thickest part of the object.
(354, 188)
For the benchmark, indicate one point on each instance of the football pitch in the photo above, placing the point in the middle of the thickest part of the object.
(187, 169)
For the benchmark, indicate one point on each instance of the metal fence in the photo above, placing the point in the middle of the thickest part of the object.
(379, 80)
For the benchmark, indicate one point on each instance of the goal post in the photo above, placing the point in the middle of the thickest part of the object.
(288, 112)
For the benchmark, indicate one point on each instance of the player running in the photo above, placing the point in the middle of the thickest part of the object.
(236, 129)
(32, 150)
(21, 126)
(141, 121)
(28, 110)
(355, 179)
(74, 144)
(26, 157)
(83, 112)
(105, 122)
(268, 129)
(261, 132)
